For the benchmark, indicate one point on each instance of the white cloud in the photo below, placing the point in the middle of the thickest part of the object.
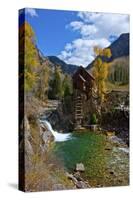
(76, 25)
(68, 47)
(84, 29)
(81, 51)
(95, 29)
(106, 24)
(31, 11)
(88, 16)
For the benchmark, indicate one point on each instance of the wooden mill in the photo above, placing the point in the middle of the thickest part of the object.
(82, 87)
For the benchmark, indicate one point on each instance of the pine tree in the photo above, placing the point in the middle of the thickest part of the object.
(67, 86)
(55, 91)
(119, 71)
(67, 91)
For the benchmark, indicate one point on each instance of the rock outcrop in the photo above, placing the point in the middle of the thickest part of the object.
(78, 181)
(34, 139)
(46, 136)
(27, 138)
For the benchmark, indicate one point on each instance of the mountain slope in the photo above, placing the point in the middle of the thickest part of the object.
(66, 68)
(119, 48)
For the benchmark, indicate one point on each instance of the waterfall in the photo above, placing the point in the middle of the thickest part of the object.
(59, 137)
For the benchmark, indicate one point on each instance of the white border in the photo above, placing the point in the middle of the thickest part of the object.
(9, 98)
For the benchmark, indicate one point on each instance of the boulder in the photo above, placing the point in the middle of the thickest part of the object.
(71, 176)
(78, 180)
(81, 184)
(80, 167)
(78, 176)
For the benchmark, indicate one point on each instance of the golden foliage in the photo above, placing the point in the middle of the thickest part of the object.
(100, 70)
(28, 55)
(43, 81)
(102, 52)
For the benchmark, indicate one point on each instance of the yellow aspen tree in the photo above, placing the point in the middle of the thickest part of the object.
(100, 71)
(28, 55)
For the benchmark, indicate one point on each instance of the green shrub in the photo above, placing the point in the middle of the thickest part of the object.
(93, 119)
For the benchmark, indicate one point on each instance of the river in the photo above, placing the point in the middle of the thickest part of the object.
(106, 159)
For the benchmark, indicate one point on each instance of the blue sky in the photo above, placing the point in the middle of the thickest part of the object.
(72, 35)
(50, 29)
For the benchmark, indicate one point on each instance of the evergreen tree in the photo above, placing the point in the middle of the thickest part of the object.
(67, 91)
(67, 86)
(55, 91)
(119, 71)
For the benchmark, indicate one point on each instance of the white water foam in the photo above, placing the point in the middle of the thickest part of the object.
(59, 137)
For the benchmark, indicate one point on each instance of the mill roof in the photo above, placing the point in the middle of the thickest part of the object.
(83, 73)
